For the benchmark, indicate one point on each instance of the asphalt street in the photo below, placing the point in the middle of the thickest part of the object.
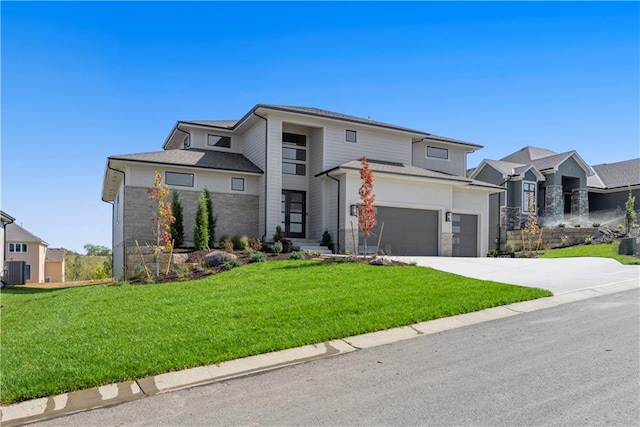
(574, 364)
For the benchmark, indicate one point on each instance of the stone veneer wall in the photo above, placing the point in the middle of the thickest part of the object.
(237, 214)
(510, 217)
(580, 202)
(447, 244)
(554, 203)
(551, 237)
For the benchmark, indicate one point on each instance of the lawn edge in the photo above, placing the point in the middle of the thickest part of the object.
(112, 394)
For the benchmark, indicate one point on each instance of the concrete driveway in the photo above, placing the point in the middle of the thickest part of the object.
(558, 275)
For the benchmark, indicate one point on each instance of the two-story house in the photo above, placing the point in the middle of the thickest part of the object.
(42, 264)
(298, 168)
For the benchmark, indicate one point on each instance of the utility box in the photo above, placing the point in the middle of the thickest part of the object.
(16, 272)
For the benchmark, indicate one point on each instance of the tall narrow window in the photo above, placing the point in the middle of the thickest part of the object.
(294, 154)
(28, 271)
(528, 196)
(186, 142)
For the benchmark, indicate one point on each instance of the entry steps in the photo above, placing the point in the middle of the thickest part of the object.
(309, 246)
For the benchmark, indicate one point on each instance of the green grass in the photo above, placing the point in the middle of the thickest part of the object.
(55, 341)
(604, 250)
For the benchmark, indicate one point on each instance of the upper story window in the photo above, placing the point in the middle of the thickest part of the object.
(17, 247)
(437, 153)
(219, 141)
(180, 179)
(186, 142)
(351, 136)
(294, 154)
(237, 184)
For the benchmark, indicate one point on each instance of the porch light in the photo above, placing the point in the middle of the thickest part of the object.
(353, 209)
(447, 217)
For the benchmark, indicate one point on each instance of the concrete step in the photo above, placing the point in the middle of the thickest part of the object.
(309, 246)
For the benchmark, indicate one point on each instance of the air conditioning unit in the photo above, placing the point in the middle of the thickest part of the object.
(47, 280)
(16, 272)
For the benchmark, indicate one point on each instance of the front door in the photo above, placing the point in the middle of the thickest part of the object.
(293, 213)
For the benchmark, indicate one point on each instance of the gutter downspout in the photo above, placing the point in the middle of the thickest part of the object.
(266, 152)
(188, 133)
(124, 242)
(338, 214)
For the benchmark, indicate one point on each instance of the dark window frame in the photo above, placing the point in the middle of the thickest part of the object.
(221, 139)
(167, 174)
(435, 150)
(351, 136)
(235, 179)
(300, 169)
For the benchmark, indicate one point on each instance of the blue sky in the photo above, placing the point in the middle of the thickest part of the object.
(82, 81)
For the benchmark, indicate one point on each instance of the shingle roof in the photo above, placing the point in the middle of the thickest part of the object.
(620, 174)
(551, 162)
(15, 233)
(528, 154)
(345, 117)
(401, 169)
(216, 123)
(54, 255)
(207, 159)
(507, 168)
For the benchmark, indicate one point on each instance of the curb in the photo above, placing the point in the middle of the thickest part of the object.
(112, 394)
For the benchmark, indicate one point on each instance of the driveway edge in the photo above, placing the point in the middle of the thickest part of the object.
(112, 394)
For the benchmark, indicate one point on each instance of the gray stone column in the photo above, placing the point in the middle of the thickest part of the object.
(510, 218)
(579, 202)
(554, 203)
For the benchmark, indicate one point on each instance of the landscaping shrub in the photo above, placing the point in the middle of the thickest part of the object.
(231, 264)
(257, 257)
(255, 244)
(201, 229)
(226, 245)
(277, 247)
(296, 255)
(240, 243)
(326, 238)
(278, 235)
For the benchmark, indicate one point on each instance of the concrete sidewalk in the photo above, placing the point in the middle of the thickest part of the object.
(67, 403)
(558, 275)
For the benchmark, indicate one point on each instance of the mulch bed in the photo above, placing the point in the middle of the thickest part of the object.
(196, 263)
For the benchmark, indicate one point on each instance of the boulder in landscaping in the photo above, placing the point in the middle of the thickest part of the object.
(381, 260)
(215, 258)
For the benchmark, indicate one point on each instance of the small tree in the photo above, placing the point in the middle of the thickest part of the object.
(366, 209)
(629, 212)
(177, 226)
(211, 219)
(161, 218)
(201, 229)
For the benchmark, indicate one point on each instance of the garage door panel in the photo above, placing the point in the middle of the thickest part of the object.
(406, 231)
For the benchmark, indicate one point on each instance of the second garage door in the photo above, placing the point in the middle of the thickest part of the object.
(406, 232)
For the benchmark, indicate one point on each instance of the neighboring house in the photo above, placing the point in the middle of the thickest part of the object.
(43, 264)
(4, 220)
(54, 265)
(609, 187)
(298, 168)
(560, 187)
(22, 245)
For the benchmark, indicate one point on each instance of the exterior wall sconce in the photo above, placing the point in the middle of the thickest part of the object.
(353, 210)
(448, 217)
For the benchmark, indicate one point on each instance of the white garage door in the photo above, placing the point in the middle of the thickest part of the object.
(406, 232)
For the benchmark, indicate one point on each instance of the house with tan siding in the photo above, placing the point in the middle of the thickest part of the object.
(298, 168)
(43, 264)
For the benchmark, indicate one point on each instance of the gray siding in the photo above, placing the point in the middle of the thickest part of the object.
(315, 206)
(611, 202)
(569, 168)
(490, 175)
(456, 164)
(378, 145)
(253, 146)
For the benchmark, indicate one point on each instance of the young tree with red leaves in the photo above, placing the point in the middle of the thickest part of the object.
(161, 219)
(366, 209)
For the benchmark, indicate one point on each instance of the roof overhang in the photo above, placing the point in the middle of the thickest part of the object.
(573, 154)
(6, 218)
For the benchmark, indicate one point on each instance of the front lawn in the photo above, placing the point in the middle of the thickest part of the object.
(603, 250)
(59, 340)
